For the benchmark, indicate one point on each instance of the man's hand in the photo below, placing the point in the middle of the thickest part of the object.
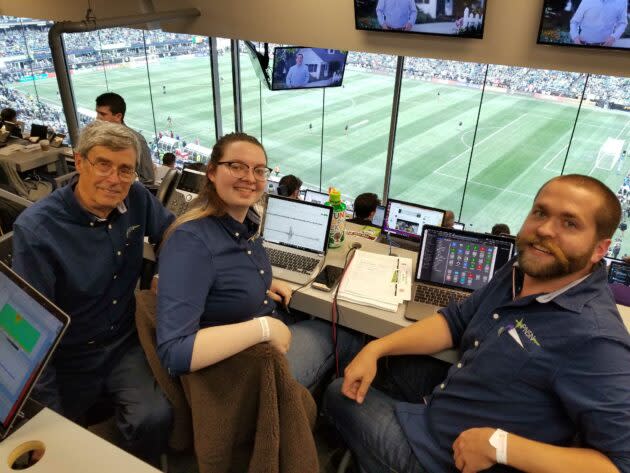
(359, 374)
(577, 40)
(472, 450)
(280, 292)
(610, 41)
(408, 26)
(154, 284)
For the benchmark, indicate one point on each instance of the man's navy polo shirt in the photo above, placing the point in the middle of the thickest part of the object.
(89, 267)
(213, 271)
(570, 376)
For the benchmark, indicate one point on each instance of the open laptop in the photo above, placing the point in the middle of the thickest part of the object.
(403, 222)
(618, 272)
(379, 216)
(296, 237)
(315, 196)
(30, 329)
(452, 264)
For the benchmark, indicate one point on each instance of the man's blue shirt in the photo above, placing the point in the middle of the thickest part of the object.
(213, 271)
(89, 267)
(551, 369)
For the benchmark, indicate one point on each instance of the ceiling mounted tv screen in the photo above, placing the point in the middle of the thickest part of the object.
(461, 18)
(307, 68)
(585, 23)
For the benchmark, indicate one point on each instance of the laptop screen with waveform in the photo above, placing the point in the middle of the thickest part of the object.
(297, 224)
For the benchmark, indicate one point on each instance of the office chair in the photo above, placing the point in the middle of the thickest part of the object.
(168, 185)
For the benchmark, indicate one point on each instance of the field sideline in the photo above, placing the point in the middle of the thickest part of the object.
(521, 142)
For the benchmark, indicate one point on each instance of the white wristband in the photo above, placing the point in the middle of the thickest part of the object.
(499, 441)
(266, 332)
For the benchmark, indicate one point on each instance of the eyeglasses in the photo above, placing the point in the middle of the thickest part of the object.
(105, 169)
(240, 170)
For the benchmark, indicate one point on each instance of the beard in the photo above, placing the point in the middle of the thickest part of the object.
(562, 265)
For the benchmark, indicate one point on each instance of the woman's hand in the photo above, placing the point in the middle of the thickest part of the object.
(280, 292)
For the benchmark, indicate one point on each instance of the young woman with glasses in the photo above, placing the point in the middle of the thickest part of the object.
(216, 292)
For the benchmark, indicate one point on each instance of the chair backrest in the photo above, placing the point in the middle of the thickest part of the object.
(167, 185)
(6, 248)
(182, 434)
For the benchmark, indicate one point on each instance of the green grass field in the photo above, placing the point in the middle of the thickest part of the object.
(521, 142)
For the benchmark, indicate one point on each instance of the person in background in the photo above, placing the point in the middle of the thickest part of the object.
(449, 219)
(168, 163)
(289, 186)
(298, 75)
(364, 208)
(500, 229)
(111, 107)
(599, 22)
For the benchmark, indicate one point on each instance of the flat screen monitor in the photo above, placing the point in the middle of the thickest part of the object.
(306, 68)
(379, 214)
(260, 62)
(316, 197)
(272, 187)
(619, 273)
(13, 128)
(406, 220)
(461, 18)
(585, 23)
(40, 131)
(459, 225)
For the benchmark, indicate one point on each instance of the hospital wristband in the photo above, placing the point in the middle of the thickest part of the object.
(499, 441)
(264, 326)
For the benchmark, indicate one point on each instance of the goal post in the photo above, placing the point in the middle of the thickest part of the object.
(609, 154)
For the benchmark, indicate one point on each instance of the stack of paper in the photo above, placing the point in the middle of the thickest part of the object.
(377, 280)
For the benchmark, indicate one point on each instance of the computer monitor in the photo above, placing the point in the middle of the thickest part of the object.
(13, 128)
(315, 196)
(619, 273)
(379, 215)
(40, 131)
(272, 187)
(459, 225)
(30, 329)
(406, 220)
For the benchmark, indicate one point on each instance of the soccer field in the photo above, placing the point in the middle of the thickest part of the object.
(521, 142)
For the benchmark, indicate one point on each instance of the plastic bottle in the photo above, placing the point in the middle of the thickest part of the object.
(336, 236)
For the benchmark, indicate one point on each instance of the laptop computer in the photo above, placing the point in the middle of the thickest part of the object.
(403, 222)
(296, 237)
(452, 264)
(379, 216)
(618, 272)
(30, 329)
(315, 196)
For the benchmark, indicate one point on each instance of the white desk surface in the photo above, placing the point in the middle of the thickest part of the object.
(69, 448)
(369, 320)
(25, 161)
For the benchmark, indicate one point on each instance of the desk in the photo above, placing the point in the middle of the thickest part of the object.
(26, 161)
(69, 448)
(368, 320)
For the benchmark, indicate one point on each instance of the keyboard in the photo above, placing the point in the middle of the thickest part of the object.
(437, 295)
(291, 261)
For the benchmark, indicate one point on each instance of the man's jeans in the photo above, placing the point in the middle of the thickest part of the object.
(371, 430)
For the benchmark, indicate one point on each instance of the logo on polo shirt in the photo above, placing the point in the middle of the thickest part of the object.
(525, 330)
(132, 229)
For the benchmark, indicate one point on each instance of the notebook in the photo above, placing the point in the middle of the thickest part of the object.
(30, 329)
(295, 236)
(452, 264)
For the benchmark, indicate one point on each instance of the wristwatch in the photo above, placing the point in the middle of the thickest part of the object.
(499, 441)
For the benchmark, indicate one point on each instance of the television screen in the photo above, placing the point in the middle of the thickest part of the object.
(304, 68)
(585, 23)
(462, 18)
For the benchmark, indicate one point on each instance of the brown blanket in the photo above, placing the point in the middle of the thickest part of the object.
(250, 415)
